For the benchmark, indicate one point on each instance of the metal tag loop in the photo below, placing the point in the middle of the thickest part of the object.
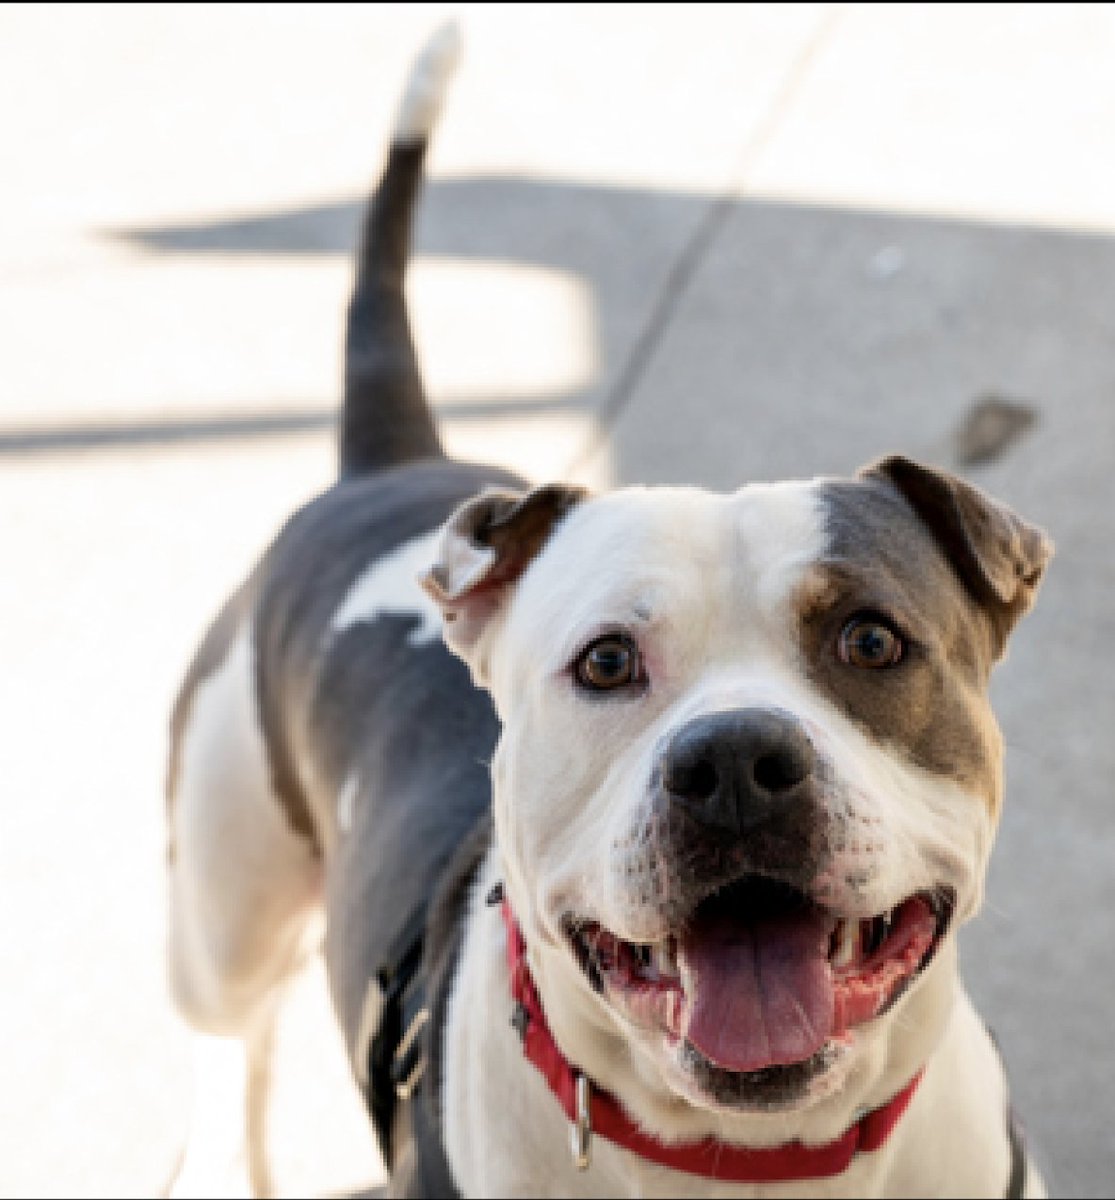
(580, 1130)
(409, 1064)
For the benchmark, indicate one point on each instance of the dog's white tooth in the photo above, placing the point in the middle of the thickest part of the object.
(846, 934)
(659, 958)
(663, 959)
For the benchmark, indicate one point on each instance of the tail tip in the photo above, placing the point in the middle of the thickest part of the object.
(427, 83)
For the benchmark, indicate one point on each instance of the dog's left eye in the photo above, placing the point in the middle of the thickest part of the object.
(870, 643)
(609, 663)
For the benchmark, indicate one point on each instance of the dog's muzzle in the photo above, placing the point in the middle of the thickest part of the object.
(755, 980)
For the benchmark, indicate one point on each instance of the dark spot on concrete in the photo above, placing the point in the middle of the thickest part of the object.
(993, 424)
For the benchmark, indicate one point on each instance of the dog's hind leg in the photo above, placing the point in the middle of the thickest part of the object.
(260, 1047)
(244, 888)
(226, 1150)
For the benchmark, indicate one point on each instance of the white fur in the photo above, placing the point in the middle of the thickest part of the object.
(242, 882)
(390, 585)
(426, 86)
(244, 893)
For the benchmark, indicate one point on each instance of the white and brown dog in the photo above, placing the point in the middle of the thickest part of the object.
(666, 905)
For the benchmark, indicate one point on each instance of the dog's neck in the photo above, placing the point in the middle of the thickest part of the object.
(592, 1112)
(507, 1134)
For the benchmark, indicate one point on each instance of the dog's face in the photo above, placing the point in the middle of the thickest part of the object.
(748, 777)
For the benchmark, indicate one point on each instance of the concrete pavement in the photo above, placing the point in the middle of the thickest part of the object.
(706, 245)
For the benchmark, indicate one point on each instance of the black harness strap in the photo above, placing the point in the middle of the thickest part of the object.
(1016, 1180)
(1016, 1183)
(393, 1011)
(398, 1051)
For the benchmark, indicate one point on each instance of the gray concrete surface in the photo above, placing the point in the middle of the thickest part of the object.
(703, 245)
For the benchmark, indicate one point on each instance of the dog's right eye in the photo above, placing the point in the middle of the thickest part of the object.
(609, 663)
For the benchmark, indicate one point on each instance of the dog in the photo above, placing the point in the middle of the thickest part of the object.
(642, 822)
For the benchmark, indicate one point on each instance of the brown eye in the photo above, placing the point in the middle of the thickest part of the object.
(867, 642)
(610, 662)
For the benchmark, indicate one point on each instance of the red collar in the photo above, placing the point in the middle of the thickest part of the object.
(602, 1114)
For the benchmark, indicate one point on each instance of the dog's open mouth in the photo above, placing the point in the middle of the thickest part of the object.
(760, 976)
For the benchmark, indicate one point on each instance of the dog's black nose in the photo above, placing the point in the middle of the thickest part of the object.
(739, 770)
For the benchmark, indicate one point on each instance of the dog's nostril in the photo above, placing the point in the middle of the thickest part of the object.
(780, 771)
(703, 781)
(697, 780)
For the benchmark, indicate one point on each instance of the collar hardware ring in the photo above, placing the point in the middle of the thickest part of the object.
(580, 1129)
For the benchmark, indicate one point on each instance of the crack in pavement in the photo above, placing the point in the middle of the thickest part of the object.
(695, 251)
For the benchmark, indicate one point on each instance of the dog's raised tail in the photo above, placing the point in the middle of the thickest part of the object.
(385, 418)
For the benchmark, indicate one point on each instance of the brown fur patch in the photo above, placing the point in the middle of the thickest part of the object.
(999, 557)
(932, 705)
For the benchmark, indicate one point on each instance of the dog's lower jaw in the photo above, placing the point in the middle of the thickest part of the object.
(505, 1133)
(666, 1088)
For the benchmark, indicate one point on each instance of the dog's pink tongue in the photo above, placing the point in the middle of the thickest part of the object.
(759, 994)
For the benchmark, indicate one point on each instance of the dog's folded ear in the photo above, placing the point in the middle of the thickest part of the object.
(999, 557)
(484, 547)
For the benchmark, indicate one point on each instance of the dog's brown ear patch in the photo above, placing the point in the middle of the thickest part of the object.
(998, 556)
(486, 545)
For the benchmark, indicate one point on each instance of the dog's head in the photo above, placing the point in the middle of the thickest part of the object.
(748, 777)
